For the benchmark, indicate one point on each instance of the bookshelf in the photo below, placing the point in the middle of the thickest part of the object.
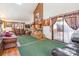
(38, 20)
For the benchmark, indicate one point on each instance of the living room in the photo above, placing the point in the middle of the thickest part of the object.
(41, 29)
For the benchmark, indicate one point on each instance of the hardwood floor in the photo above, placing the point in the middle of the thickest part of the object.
(11, 52)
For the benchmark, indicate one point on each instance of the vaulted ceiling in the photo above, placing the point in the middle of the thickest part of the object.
(17, 12)
(53, 9)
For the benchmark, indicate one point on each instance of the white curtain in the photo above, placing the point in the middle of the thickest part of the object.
(47, 32)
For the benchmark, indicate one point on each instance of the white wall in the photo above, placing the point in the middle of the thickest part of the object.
(53, 9)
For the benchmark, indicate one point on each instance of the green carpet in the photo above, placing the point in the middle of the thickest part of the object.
(25, 39)
(40, 48)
